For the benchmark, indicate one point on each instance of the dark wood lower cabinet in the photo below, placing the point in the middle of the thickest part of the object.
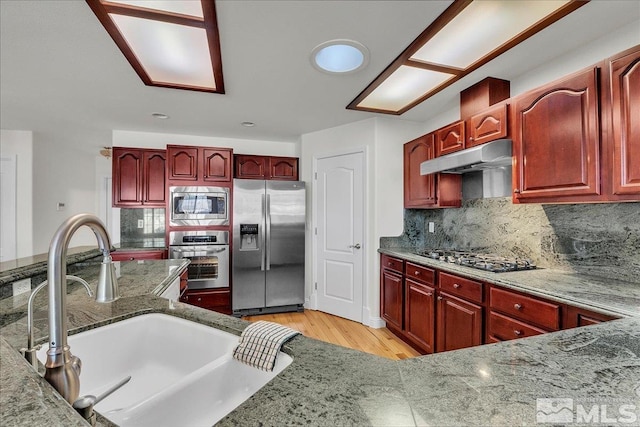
(391, 298)
(419, 315)
(212, 299)
(576, 317)
(125, 255)
(459, 323)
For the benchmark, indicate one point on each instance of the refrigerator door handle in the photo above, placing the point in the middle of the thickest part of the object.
(268, 242)
(262, 233)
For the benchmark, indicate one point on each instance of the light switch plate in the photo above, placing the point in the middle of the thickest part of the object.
(432, 227)
(21, 287)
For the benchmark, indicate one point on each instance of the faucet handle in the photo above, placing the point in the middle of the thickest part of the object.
(84, 405)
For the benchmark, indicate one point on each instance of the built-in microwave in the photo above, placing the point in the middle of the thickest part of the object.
(199, 206)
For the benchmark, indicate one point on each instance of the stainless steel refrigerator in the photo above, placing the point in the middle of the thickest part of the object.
(268, 246)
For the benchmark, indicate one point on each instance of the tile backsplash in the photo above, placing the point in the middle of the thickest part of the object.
(602, 239)
(138, 225)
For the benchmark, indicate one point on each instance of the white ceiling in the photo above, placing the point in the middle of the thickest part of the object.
(60, 70)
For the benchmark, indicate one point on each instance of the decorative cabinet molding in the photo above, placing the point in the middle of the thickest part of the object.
(488, 126)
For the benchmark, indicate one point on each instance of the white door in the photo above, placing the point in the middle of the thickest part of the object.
(8, 239)
(340, 231)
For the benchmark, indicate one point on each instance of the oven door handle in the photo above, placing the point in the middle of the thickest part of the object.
(197, 249)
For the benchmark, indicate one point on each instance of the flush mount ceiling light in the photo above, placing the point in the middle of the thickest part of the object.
(169, 43)
(339, 57)
(467, 35)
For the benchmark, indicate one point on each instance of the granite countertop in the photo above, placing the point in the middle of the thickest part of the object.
(495, 384)
(607, 296)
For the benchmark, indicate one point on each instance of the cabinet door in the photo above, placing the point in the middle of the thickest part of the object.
(487, 126)
(575, 317)
(557, 141)
(127, 177)
(419, 314)
(183, 163)
(391, 299)
(419, 190)
(215, 299)
(450, 138)
(216, 164)
(459, 323)
(283, 168)
(250, 167)
(154, 177)
(625, 94)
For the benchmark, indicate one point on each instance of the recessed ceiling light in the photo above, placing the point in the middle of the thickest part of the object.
(159, 115)
(248, 124)
(340, 57)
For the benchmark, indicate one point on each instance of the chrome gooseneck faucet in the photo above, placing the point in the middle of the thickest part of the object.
(62, 369)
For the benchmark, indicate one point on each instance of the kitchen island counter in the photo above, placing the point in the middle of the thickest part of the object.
(495, 384)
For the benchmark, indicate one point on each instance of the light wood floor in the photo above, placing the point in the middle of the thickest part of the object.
(343, 332)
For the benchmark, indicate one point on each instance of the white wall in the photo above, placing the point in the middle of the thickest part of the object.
(63, 173)
(19, 143)
(123, 138)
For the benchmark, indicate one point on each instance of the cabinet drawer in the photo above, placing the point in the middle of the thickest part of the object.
(137, 255)
(506, 328)
(419, 273)
(208, 299)
(526, 308)
(391, 263)
(461, 287)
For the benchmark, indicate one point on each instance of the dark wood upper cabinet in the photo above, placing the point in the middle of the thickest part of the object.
(450, 138)
(488, 125)
(427, 191)
(265, 167)
(482, 95)
(154, 166)
(216, 164)
(283, 168)
(557, 141)
(199, 164)
(624, 97)
(138, 177)
(183, 163)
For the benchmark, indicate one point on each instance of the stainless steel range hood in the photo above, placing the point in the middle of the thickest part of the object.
(492, 155)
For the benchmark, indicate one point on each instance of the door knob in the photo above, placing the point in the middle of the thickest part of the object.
(356, 246)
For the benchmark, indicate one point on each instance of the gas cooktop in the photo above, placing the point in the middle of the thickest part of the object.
(482, 261)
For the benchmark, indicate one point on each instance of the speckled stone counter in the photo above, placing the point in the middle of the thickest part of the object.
(608, 296)
(326, 385)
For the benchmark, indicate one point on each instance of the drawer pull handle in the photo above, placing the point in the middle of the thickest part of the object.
(517, 332)
(439, 298)
(517, 306)
(456, 285)
(417, 273)
(429, 294)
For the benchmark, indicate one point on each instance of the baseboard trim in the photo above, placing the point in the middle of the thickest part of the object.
(374, 322)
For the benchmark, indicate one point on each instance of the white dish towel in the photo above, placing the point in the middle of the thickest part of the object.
(260, 343)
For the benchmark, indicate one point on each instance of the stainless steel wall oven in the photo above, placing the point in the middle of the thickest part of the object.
(208, 251)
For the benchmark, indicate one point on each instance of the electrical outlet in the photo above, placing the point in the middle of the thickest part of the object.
(141, 223)
(60, 206)
(432, 227)
(21, 287)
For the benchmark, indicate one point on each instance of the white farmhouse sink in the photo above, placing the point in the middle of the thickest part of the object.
(182, 372)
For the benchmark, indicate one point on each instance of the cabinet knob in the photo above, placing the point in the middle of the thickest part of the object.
(470, 138)
(517, 332)
(131, 258)
(439, 298)
(417, 273)
(456, 285)
(516, 190)
(199, 299)
(517, 306)
(429, 294)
